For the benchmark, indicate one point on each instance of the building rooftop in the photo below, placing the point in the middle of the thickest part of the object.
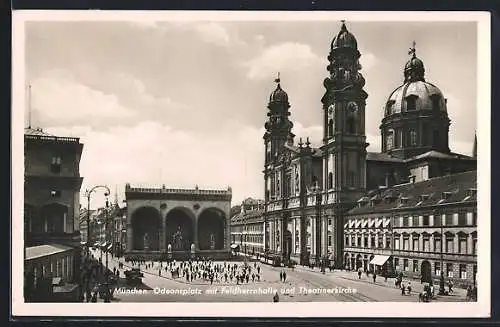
(35, 131)
(241, 217)
(440, 155)
(461, 187)
(39, 135)
(378, 156)
(45, 250)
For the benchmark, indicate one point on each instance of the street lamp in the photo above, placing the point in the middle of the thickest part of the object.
(88, 194)
(318, 194)
(441, 278)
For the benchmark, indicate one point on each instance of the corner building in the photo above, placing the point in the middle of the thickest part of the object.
(310, 192)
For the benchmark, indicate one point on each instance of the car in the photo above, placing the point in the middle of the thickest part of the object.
(134, 276)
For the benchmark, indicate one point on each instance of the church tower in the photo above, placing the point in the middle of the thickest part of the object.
(344, 139)
(278, 133)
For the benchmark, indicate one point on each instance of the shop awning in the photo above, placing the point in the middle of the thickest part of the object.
(379, 260)
(110, 246)
(234, 246)
(387, 221)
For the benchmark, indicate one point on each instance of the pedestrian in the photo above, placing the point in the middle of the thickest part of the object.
(284, 276)
(276, 297)
(159, 272)
(450, 286)
(403, 289)
(409, 288)
(374, 277)
(359, 274)
(281, 276)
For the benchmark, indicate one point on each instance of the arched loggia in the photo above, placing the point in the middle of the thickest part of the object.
(146, 227)
(211, 229)
(179, 233)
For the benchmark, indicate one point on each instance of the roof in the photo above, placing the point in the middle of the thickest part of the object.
(35, 131)
(250, 200)
(241, 217)
(45, 250)
(457, 188)
(440, 155)
(378, 156)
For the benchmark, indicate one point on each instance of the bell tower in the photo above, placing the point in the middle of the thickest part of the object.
(344, 139)
(278, 132)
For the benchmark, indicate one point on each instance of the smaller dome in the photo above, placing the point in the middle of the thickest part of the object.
(414, 63)
(278, 95)
(424, 93)
(344, 39)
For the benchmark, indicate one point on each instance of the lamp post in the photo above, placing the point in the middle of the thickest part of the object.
(441, 278)
(88, 194)
(317, 192)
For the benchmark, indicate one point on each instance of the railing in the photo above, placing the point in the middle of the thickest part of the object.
(52, 138)
(162, 190)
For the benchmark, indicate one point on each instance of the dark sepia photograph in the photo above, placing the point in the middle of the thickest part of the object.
(252, 159)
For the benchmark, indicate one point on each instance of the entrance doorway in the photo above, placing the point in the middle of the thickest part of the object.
(425, 268)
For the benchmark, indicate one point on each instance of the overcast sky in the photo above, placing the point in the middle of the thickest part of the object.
(184, 104)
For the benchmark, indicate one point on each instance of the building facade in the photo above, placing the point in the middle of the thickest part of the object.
(247, 227)
(421, 229)
(52, 184)
(177, 223)
(310, 191)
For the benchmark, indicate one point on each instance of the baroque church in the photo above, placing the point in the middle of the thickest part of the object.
(309, 191)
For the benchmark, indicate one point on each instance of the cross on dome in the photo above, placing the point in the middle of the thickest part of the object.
(412, 50)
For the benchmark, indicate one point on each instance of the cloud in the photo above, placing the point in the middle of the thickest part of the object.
(58, 99)
(283, 57)
(151, 153)
(368, 60)
(213, 33)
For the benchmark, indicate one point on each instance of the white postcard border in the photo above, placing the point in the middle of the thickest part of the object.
(481, 308)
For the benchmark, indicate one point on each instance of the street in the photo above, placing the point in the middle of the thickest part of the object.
(302, 285)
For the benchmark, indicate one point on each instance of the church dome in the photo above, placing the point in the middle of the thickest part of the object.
(344, 39)
(414, 96)
(278, 95)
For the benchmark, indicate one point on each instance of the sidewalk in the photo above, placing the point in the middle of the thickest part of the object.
(417, 287)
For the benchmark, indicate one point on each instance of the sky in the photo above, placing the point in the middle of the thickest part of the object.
(184, 103)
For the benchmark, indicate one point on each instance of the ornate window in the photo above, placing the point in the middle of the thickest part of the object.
(55, 166)
(449, 270)
(437, 268)
(413, 137)
(390, 140)
(436, 102)
(352, 118)
(463, 271)
(411, 103)
(415, 265)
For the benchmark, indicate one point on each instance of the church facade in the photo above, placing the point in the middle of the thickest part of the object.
(310, 191)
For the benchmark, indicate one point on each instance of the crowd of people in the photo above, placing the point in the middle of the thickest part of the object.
(203, 270)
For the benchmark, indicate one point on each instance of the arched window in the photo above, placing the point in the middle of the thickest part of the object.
(351, 124)
(411, 103)
(330, 180)
(413, 137)
(435, 138)
(390, 140)
(330, 127)
(436, 102)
